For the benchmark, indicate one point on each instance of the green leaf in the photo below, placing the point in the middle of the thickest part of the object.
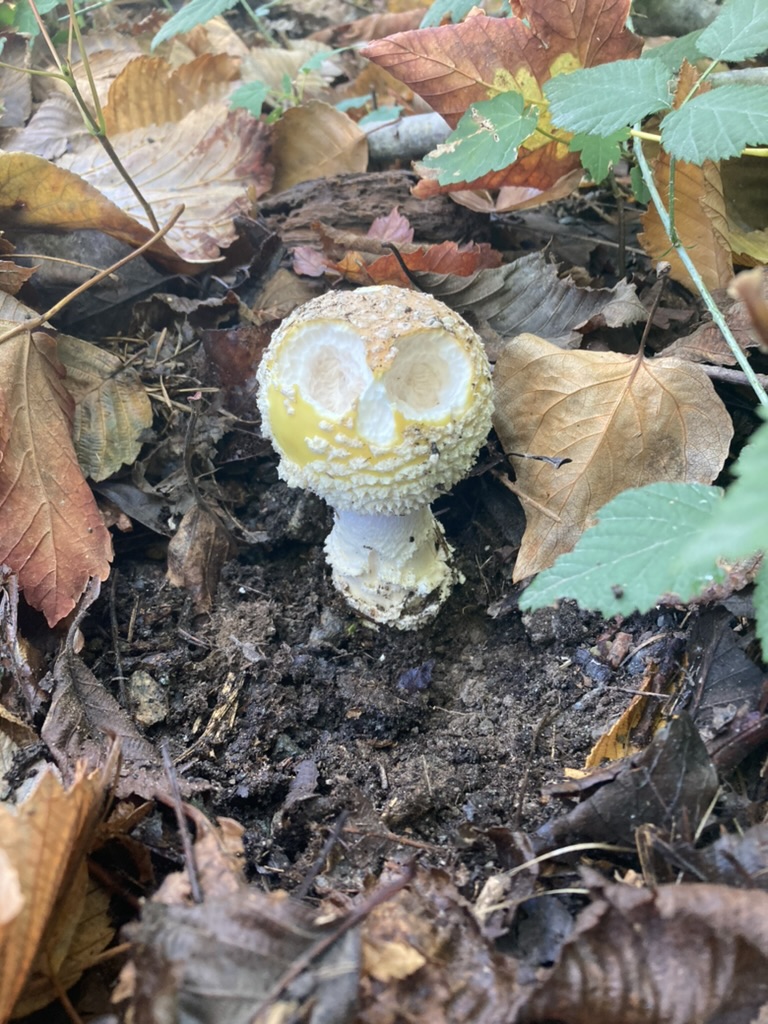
(25, 20)
(760, 602)
(442, 9)
(196, 12)
(603, 99)
(628, 560)
(718, 124)
(739, 31)
(639, 188)
(380, 115)
(740, 525)
(599, 154)
(252, 96)
(673, 53)
(486, 139)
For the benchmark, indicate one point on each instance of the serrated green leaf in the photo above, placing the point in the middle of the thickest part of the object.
(717, 125)
(252, 96)
(673, 53)
(599, 154)
(601, 100)
(629, 559)
(760, 603)
(639, 189)
(740, 525)
(454, 10)
(739, 31)
(486, 139)
(196, 12)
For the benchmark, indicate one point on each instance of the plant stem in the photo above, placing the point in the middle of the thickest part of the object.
(690, 266)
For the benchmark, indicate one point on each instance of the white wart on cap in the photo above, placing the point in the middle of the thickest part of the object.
(378, 400)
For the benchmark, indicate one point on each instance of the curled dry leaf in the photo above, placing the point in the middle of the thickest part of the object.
(683, 954)
(112, 407)
(316, 141)
(621, 421)
(196, 553)
(43, 843)
(51, 532)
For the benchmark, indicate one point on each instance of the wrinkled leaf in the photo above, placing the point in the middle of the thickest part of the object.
(112, 407)
(623, 422)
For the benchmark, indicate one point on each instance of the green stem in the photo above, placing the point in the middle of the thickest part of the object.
(672, 231)
(690, 266)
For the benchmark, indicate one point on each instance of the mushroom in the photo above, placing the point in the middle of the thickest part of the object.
(378, 400)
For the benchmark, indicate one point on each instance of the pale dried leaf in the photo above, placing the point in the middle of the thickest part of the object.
(271, 65)
(51, 532)
(196, 554)
(112, 407)
(316, 141)
(622, 423)
(15, 84)
(52, 129)
(210, 161)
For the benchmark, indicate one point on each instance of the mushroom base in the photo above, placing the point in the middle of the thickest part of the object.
(392, 569)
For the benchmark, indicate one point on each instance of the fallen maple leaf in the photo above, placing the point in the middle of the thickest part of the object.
(454, 66)
(51, 532)
(622, 421)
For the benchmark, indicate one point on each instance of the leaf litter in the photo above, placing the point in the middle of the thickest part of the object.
(400, 850)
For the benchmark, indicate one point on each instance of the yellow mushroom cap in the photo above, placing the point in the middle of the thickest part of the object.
(376, 399)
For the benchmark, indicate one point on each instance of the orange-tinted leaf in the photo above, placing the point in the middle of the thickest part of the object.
(149, 91)
(622, 422)
(445, 258)
(51, 532)
(316, 141)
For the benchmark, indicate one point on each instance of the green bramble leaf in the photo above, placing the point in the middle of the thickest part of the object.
(718, 124)
(603, 99)
(639, 188)
(629, 559)
(252, 96)
(739, 527)
(739, 31)
(195, 13)
(599, 154)
(454, 10)
(760, 604)
(486, 139)
(673, 53)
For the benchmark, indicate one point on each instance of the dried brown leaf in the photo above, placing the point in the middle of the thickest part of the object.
(112, 407)
(196, 554)
(52, 534)
(699, 213)
(621, 421)
(683, 954)
(12, 276)
(316, 141)
(44, 839)
(149, 91)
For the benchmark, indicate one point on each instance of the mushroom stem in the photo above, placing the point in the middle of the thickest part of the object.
(393, 569)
